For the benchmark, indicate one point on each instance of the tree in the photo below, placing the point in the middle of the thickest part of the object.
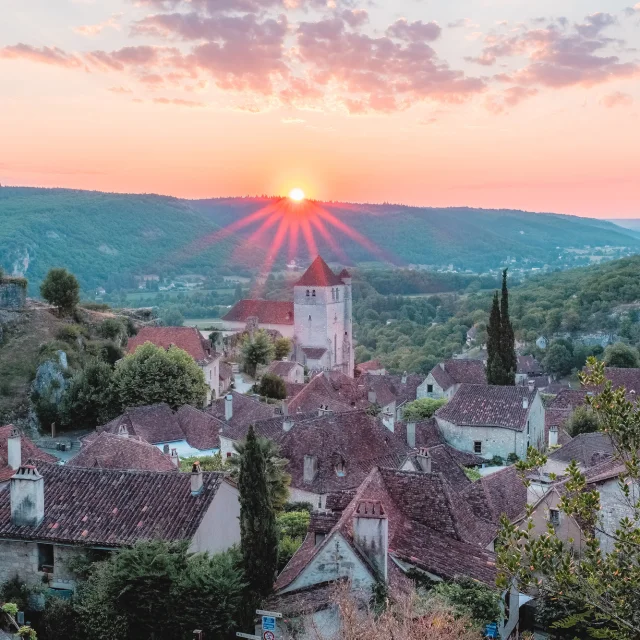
(273, 386)
(558, 360)
(496, 373)
(421, 409)
(596, 591)
(61, 289)
(621, 355)
(207, 463)
(258, 530)
(277, 478)
(292, 528)
(582, 420)
(171, 317)
(471, 598)
(282, 348)
(257, 349)
(113, 329)
(153, 374)
(507, 338)
(237, 294)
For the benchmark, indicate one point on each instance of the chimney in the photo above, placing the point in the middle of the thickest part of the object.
(165, 449)
(532, 384)
(310, 469)
(175, 458)
(14, 449)
(27, 497)
(285, 408)
(196, 479)
(371, 533)
(228, 407)
(553, 436)
(287, 424)
(123, 431)
(424, 460)
(411, 434)
(525, 403)
(371, 396)
(404, 378)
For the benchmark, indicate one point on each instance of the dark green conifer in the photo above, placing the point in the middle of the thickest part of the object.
(495, 368)
(507, 338)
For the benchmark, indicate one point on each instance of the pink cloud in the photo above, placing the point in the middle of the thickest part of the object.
(43, 55)
(617, 99)
(417, 31)
(95, 29)
(119, 90)
(355, 17)
(179, 102)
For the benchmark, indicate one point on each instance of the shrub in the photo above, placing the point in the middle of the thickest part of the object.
(298, 506)
(70, 333)
(272, 386)
(422, 408)
(512, 458)
(472, 473)
(61, 289)
(498, 461)
(294, 523)
(207, 463)
(111, 329)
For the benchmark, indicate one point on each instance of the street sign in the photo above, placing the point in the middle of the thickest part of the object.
(268, 623)
(268, 635)
(273, 614)
(239, 634)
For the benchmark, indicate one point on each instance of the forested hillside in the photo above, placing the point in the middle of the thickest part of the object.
(106, 239)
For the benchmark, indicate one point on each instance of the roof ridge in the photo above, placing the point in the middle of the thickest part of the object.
(71, 469)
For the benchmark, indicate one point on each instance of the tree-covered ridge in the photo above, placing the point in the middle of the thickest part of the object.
(102, 236)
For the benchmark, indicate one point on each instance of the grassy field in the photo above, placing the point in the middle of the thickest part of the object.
(151, 295)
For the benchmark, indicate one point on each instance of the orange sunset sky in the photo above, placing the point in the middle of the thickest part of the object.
(485, 103)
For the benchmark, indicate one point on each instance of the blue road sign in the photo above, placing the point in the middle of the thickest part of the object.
(268, 623)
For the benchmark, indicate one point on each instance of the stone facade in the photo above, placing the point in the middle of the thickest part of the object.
(615, 507)
(13, 295)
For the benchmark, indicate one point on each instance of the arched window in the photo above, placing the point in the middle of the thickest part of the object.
(313, 293)
(307, 293)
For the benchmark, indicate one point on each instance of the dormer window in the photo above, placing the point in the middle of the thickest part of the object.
(341, 468)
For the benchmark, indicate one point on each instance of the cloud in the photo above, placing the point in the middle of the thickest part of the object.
(292, 121)
(617, 99)
(179, 102)
(594, 24)
(44, 55)
(119, 90)
(632, 11)
(417, 31)
(462, 22)
(355, 17)
(91, 30)
(510, 97)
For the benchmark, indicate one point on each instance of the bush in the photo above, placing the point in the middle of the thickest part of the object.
(294, 523)
(61, 289)
(282, 348)
(472, 473)
(207, 463)
(422, 409)
(582, 420)
(497, 461)
(95, 306)
(621, 355)
(272, 386)
(70, 333)
(471, 598)
(298, 506)
(512, 458)
(111, 329)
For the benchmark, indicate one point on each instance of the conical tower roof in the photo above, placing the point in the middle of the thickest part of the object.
(319, 275)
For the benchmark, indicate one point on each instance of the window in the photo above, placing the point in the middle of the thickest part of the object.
(337, 294)
(313, 293)
(341, 469)
(333, 294)
(477, 446)
(554, 517)
(229, 454)
(319, 537)
(45, 558)
(429, 388)
(307, 293)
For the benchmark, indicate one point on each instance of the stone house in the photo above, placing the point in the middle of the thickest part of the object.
(13, 294)
(446, 377)
(371, 367)
(558, 412)
(493, 421)
(292, 372)
(587, 449)
(52, 514)
(15, 450)
(392, 391)
(188, 339)
(395, 522)
(226, 378)
(189, 431)
(528, 367)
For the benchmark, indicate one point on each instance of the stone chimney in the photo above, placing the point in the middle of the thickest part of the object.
(165, 449)
(285, 408)
(404, 378)
(411, 434)
(525, 403)
(371, 396)
(14, 449)
(371, 534)
(553, 436)
(228, 407)
(310, 469)
(531, 384)
(175, 458)
(287, 424)
(196, 479)
(27, 497)
(424, 460)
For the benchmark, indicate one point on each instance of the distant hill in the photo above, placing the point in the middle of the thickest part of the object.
(102, 236)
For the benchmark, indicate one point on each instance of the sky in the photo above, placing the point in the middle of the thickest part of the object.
(482, 103)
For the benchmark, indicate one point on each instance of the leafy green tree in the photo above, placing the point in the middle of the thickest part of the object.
(507, 337)
(61, 289)
(596, 590)
(273, 386)
(292, 529)
(112, 329)
(558, 359)
(282, 348)
(277, 478)
(422, 408)
(89, 400)
(582, 420)
(153, 374)
(470, 598)
(256, 350)
(258, 529)
(621, 355)
(172, 317)
(207, 463)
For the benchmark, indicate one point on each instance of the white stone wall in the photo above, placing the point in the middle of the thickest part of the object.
(300, 495)
(212, 378)
(437, 391)
(286, 330)
(226, 447)
(615, 506)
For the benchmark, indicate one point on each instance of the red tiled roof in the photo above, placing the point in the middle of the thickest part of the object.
(334, 390)
(319, 275)
(201, 429)
(226, 371)
(450, 372)
(28, 450)
(529, 365)
(314, 353)
(267, 311)
(476, 405)
(627, 378)
(588, 449)
(282, 367)
(154, 423)
(294, 388)
(344, 274)
(109, 451)
(246, 410)
(114, 508)
(370, 365)
(187, 338)
(502, 492)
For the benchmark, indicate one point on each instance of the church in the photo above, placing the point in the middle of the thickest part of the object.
(318, 321)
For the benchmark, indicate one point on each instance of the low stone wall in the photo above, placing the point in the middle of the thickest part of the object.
(13, 295)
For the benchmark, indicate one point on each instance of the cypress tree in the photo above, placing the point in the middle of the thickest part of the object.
(495, 368)
(507, 338)
(258, 529)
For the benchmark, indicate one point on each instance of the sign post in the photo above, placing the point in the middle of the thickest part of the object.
(239, 634)
(269, 628)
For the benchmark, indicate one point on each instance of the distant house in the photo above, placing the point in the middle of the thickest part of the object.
(329, 391)
(16, 449)
(587, 449)
(226, 378)
(190, 340)
(472, 334)
(292, 372)
(528, 367)
(275, 315)
(446, 377)
(493, 421)
(541, 342)
(372, 367)
(52, 514)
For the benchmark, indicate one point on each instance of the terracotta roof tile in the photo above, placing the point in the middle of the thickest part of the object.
(267, 311)
(246, 410)
(319, 275)
(226, 371)
(498, 493)
(114, 508)
(187, 338)
(314, 353)
(488, 405)
(201, 430)
(109, 451)
(529, 365)
(370, 365)
(627, 378)
(28, 450)
(588, 449)
(282, 367)
(334, 390)
(154, 423)
(457, 371)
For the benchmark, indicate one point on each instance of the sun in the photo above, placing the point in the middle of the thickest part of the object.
(296, 194)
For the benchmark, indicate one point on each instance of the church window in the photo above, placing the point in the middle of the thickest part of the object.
(313, 293)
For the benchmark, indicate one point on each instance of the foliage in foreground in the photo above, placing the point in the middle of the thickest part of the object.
(595, 593)
(422, 408)
(207, 463)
